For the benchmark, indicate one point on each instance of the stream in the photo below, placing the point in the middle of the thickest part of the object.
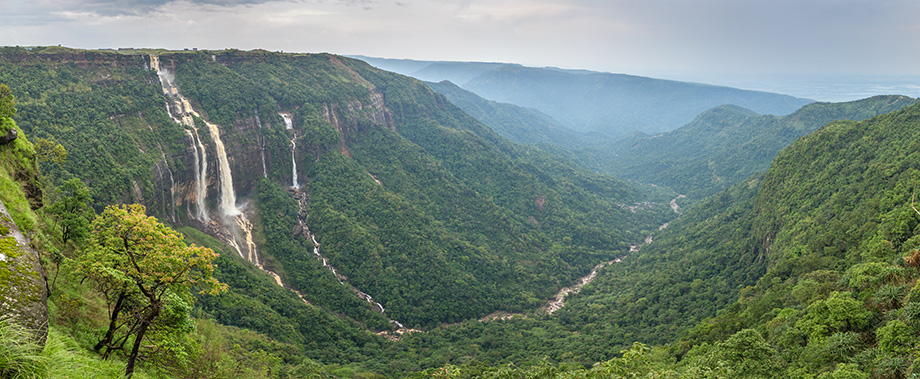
(305, 231)
(558, 300)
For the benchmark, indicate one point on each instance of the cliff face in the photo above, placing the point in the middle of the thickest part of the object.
(255, 139)
(23, 290)
(415, 203)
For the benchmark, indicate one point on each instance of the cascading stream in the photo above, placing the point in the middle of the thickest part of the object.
(227, 202)
(301, 202)
(172, 182)
(294, 163)
(261, 143)
(289, 125)
(559, 299)
(201, 175)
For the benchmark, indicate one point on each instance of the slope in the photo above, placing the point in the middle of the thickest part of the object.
(401, 196)
(832, 228)
(521, 125)
(727, 144)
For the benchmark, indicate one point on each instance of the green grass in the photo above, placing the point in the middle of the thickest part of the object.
(22, 358)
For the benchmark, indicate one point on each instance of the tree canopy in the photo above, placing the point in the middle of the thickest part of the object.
(136, 260)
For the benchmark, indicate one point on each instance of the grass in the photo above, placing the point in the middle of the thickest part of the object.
(61, 357)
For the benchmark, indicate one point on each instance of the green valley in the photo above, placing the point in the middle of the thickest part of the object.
(314, 217)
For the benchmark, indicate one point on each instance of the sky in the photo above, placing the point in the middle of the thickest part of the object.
(702, 40)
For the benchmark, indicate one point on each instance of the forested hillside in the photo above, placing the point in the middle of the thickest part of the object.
(807, 271)
(727, 144)
(383, 205)
(364, 226)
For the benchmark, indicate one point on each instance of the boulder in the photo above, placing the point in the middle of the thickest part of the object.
(23, 288)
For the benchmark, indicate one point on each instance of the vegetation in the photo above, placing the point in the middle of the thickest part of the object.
(145, 272)
(727, 144)
(807, 271)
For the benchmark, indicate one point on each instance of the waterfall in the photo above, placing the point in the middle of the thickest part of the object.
(227, 195)
(201, 174)
(227, 202)
(261, 143)
(172, 182)
(294, 162)
(288, 122)
(289, 125)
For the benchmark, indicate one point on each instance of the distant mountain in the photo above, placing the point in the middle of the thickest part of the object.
(617, 104)
(589, 101)
(727, 144)
(519, 124)
(435, 71)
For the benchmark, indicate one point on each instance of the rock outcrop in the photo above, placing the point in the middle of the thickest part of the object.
(23, 289)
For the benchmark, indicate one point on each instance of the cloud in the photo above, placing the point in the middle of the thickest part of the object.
(611, 35)
(112, 8)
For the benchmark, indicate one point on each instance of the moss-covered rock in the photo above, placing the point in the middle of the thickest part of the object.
(23, 289)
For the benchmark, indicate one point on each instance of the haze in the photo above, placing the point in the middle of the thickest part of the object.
(704, 40)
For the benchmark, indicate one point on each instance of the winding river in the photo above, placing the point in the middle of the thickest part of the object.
(558, 300)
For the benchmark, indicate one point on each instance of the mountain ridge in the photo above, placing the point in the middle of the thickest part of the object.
(588, 101)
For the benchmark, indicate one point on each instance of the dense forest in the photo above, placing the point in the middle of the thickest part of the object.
(398, 236)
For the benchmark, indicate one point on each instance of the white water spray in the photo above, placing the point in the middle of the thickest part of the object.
(227, 194)
(294, 163)
(288, 122)
(227, 203)
(261, 143)
(289, 125)
(201, 174)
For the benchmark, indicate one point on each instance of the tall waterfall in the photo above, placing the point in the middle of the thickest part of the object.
(289, 125)
(294, 162)
(261, 143)
(201, 174)
(227, 194)
(231, 216)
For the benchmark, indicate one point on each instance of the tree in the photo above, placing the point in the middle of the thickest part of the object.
(72, 211)
(7, 102)
(48, 151)
(141, 265)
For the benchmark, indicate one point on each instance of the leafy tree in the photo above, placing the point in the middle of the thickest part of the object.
(73, 211)
(749, 356)
(144, 265)
(7, 103)
(47, 150)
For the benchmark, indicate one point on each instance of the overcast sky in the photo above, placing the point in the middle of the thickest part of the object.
(645, 37)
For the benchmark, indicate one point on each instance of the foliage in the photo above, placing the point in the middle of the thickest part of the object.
(726, 144)
(72, 211)
(20, 357)
(145, 271)
(801, 271)
(107, 115)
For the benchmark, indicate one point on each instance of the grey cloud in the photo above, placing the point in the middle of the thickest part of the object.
(144, 7)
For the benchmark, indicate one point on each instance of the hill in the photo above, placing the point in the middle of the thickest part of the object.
(522, 125)
(382, 204)
(831, 226)
(727, 144)
(588, 101)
